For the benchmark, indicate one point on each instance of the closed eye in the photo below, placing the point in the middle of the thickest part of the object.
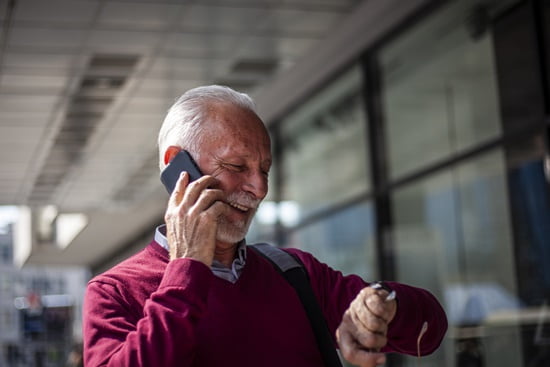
(235, 167)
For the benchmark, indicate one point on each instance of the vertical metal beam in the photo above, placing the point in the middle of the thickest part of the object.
(379, 168)
(541, 14)
(277, 144)
(520, 75)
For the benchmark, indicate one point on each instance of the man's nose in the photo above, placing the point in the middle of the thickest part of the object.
(256, 184)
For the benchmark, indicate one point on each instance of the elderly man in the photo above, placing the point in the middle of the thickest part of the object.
(199, 296)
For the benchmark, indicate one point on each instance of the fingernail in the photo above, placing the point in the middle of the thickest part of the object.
(381, 359)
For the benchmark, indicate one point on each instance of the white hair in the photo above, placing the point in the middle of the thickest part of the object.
(183, 123)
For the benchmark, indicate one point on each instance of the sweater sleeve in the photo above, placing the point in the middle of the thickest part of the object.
(415, 306)
(166, 333)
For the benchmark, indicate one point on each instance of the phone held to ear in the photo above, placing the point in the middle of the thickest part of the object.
(181, 162)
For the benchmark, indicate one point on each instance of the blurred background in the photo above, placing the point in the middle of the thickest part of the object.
(410, 137)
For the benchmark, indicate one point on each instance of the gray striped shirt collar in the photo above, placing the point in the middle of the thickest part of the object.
(231, 275)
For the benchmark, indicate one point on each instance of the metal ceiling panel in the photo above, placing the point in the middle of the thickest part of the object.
(42, 61)
(11, 133)
(148, 105)
(291, 47)
(19, 155)
(30, 83)
(59, 11)
(200, 45)
(17, 103)
(158, 93)
(223, 18)
(42, 38)
(321, 4)
(123, 41)
(21, 118)
(182, 68)
(154, 89)
(144, 16)
(300, 22)
(78, 127)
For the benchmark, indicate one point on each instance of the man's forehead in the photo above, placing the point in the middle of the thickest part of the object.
(234, 119)
(231, 113)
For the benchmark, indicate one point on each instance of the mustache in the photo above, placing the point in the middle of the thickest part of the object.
(244, 199)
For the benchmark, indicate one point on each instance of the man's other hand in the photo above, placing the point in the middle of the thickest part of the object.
(364, 327)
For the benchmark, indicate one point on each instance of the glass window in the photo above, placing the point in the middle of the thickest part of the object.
(530, 201)
(325, 147)
(5, 280)
(439, 89)
(453, 237)
(344, 241)
(262, 228)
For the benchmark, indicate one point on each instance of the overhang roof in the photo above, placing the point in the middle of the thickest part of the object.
(85, 85)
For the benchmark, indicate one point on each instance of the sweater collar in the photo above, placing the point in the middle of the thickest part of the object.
(230, 274)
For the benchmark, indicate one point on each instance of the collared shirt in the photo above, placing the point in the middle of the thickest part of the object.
(217, 267)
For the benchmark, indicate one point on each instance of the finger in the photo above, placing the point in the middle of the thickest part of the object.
(378, 305)
(206, 199)
(217, 209)
(374, 300)
(366, 339)
(210, 219)
(179, 189)
(363, 313)
(352, 351)
(195, 188)
(366, 320)
(369, 340)
(370, 290)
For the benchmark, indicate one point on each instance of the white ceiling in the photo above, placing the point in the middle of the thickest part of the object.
(85, 84)
(46, 51)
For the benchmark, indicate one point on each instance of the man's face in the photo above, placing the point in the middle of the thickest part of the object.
(236, 150)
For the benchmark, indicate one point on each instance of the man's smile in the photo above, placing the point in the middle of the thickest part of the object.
(239, 207)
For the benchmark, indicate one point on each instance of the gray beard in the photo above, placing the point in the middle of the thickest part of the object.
(232, 232)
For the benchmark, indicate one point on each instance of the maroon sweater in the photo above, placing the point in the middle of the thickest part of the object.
(148, 311)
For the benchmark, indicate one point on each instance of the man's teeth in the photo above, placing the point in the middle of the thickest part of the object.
(240, 207)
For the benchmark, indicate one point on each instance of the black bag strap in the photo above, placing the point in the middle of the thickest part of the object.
(294, 272)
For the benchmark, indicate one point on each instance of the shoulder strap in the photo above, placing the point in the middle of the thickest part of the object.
(294, 272)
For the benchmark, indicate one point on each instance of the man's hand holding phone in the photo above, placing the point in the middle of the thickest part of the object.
(192, 216)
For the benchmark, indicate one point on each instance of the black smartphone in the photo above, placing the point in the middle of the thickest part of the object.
(181, 162)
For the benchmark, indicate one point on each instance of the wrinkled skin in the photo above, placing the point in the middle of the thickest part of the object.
(207, 218)
(364, 327)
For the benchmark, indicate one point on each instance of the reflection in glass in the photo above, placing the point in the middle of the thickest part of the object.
(344, 241)
(439, 90)
(530, 201)
(453, 237)
(325, 147)
(262, 228)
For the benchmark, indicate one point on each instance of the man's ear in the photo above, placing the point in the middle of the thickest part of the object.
(170, 153)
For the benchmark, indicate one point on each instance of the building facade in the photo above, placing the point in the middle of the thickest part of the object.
(40, 310)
